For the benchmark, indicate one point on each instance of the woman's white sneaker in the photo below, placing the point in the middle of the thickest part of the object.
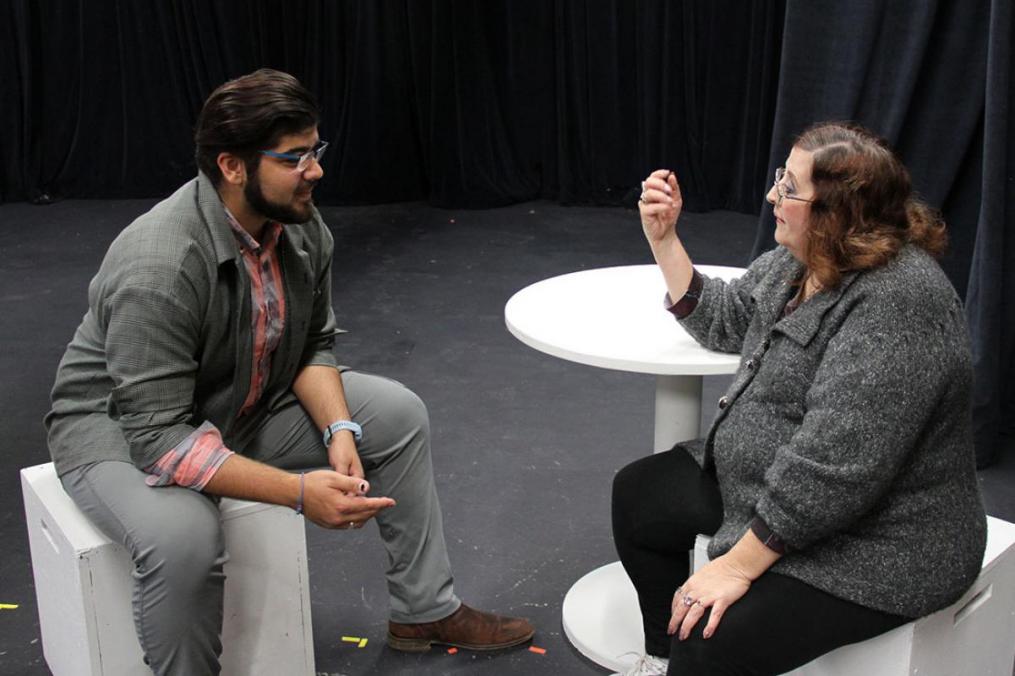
(647, 665)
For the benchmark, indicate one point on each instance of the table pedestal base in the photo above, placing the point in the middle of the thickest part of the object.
(602, 620)
(678, 410)
(600, 614)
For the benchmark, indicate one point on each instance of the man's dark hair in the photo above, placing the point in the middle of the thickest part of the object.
(249, 114)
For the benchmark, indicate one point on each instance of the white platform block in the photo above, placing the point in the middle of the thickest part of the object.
(973, 637)
(83, 587)
(600, 617)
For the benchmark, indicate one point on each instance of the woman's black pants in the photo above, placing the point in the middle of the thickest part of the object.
(660, 504)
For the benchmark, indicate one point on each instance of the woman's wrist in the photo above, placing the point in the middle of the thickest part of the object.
(666, 246)
(676, 267)
(751, 557)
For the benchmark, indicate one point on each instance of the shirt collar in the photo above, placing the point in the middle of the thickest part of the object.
(247, 243)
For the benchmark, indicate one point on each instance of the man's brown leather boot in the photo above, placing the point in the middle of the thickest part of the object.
(464, 628)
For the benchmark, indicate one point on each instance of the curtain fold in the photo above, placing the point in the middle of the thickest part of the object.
(991, 296)
(460, 103)
(934, 79)
(13, 67)
(477, 104)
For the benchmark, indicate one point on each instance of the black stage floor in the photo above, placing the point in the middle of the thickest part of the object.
(525, 445)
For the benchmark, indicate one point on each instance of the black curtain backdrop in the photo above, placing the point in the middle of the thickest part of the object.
(487, 102)
(935, 79)
(990, 300)
(462, 104)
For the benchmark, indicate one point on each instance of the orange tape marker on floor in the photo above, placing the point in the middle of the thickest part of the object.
(452, 651)
(537, 650)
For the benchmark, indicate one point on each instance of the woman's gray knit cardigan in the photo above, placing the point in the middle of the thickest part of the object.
(847, 428)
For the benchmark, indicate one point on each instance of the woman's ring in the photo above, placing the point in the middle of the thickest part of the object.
(688, 601)
(641, 199)
(352, 524)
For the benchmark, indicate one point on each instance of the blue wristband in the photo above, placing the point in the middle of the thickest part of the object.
(338, 426)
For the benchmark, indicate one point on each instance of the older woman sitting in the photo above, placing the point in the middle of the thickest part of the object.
(838, 478)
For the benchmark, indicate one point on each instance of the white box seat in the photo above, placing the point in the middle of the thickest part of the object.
(975, 636)
(83, 586)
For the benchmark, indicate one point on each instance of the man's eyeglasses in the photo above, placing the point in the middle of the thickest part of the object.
(785, 192)
(300, 162)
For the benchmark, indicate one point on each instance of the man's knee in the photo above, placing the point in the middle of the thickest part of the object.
(407, 412)
(387, 409)
(185, 549)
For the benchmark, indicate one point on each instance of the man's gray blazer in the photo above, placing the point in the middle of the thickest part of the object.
(166, 342)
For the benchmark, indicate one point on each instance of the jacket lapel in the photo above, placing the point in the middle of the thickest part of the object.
(230, 266)
(774, 289)
(803, 323)
(214, 214)
(299, 285)
(241, 335)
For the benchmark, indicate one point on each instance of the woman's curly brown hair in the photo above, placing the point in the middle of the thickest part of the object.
(864, 210)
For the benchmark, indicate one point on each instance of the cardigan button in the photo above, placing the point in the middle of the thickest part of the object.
(751, 364)
(723, 402)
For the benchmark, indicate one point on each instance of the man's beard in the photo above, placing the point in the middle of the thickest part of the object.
(280, 213)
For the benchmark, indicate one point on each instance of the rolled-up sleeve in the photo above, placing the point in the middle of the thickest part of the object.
(193, 462)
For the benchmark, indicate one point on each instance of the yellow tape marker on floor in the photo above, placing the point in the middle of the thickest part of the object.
(8, 606)
(361, 642)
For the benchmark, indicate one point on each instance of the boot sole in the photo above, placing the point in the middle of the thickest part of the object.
(422, 645)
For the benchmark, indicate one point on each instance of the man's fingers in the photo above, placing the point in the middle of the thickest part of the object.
(363, 508)
(356, 468)
(353, 512)
(362, 505)
(350, 484)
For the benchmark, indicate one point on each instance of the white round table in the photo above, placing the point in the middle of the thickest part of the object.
(614, 318)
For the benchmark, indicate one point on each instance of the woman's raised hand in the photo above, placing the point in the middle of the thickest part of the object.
(660, 204)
